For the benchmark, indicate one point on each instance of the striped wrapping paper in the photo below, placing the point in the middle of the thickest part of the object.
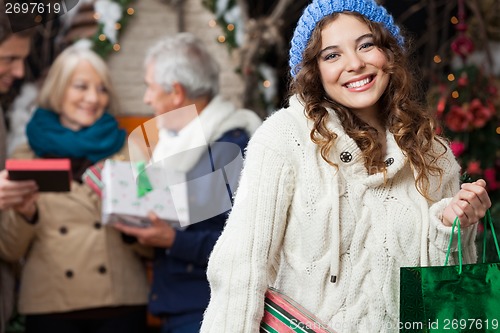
(284, 315)
(92, 176)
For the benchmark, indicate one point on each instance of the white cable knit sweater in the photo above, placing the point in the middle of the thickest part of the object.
(297, 220)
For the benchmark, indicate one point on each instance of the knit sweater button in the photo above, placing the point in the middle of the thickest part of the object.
(63, 230)
(69, 274)
(346, 157)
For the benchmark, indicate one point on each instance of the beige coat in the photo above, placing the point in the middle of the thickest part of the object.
(72, 262)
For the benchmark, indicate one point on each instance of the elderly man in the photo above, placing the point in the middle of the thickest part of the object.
(14, 48)
(180, 73)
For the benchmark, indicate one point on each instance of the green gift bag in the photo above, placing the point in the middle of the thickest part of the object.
(462, 298)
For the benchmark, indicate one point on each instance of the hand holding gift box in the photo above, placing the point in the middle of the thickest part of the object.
(129, 200)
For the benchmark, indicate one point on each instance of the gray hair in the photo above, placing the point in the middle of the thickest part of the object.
(184, 59)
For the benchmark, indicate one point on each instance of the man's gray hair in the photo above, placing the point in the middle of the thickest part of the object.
(183, 58)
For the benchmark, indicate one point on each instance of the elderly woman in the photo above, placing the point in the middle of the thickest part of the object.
(78, 276)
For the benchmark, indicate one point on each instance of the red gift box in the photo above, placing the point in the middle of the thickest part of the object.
(51, 175)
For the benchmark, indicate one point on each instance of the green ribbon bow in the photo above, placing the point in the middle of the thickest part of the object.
(143, 184)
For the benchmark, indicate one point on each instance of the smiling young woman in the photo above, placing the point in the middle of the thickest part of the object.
(352, 68)
(343, 187)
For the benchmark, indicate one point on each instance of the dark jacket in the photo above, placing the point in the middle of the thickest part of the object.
(180, 290)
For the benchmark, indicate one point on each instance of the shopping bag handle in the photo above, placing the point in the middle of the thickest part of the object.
(489, 220)
(456, 223)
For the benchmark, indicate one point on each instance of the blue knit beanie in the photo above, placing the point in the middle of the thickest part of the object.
(318, 9)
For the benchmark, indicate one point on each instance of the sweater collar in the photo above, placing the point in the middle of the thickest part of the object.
(347, 155)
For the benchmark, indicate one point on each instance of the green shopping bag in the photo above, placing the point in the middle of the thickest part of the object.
(462, 298)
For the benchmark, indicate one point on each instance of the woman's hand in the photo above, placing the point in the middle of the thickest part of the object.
(17, 194)
(28, 207)
(159, 234)
(469, 204)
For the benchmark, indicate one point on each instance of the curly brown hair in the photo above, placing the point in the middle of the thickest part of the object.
(402, 112)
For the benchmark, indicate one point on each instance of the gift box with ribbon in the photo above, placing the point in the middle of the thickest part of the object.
(131, 190)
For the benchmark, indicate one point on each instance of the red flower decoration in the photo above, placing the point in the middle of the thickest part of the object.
(457, 147)
(458, 119)
(481, 114)
(491, 181)
(441, 105)
(462, 46)
(474, 168)
(463, 80)
(492, 90)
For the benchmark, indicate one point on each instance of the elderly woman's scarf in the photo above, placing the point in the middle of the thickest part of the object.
(48, 138)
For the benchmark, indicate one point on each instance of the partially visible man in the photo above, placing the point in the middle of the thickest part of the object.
(14, 48)
(180, 72)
